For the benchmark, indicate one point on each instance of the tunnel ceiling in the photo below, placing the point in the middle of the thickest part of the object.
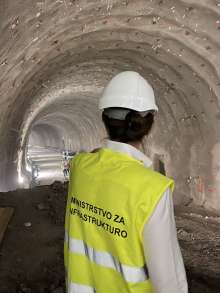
(56, 56)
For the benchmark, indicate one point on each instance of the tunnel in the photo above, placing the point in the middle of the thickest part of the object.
(56, 56)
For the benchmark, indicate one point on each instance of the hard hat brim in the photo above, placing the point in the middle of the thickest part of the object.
(123, 103)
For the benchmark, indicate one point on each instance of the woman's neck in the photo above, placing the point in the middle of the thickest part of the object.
(136, 144)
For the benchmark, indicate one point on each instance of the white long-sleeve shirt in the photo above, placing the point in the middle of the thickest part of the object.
(161, 247)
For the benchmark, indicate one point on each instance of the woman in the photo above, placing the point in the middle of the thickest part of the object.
(120, 227)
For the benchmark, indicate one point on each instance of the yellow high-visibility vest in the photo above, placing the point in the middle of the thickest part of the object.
(111, 197)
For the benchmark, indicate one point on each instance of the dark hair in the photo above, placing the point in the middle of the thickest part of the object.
(132, 129)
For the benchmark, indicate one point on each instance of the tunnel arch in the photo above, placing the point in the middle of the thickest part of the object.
(64, 54)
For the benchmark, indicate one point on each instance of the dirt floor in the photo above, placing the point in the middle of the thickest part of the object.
(31, 255)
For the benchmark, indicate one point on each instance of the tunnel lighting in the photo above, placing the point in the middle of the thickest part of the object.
(49, 174)
(28, 168)
(20, 179)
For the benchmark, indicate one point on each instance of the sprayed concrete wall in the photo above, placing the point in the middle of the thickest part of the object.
(56, 56)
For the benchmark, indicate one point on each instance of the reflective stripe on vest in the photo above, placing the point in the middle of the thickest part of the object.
(77, 288)
(129, 273)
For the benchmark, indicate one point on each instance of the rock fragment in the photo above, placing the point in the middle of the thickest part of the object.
(27, 224)
(58, 290)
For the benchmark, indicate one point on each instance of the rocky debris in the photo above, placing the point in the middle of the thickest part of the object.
(200, 242)
(204, 217)
(58, 290)
(57, 202)
(4, 62)
(42, 207)
(58, 186)
(184, 235)
(27, 224)
(38, 256)
(15, 23)
(24, 289)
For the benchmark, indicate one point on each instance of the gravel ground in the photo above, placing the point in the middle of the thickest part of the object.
(31, 255)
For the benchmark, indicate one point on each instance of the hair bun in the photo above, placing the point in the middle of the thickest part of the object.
(133, 128)
(134, 121)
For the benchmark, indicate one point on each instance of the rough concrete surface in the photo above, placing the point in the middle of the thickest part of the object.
(56, 56)
(31, 258)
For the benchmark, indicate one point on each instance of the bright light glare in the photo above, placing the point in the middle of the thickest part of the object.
(28, 168)
(20, 179)
(45, 174)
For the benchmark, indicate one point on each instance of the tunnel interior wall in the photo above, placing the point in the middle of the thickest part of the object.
(56, 57)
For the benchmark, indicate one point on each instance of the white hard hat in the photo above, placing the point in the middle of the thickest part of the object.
(129, 90)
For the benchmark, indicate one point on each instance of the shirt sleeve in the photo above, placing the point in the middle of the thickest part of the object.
(162, 251)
